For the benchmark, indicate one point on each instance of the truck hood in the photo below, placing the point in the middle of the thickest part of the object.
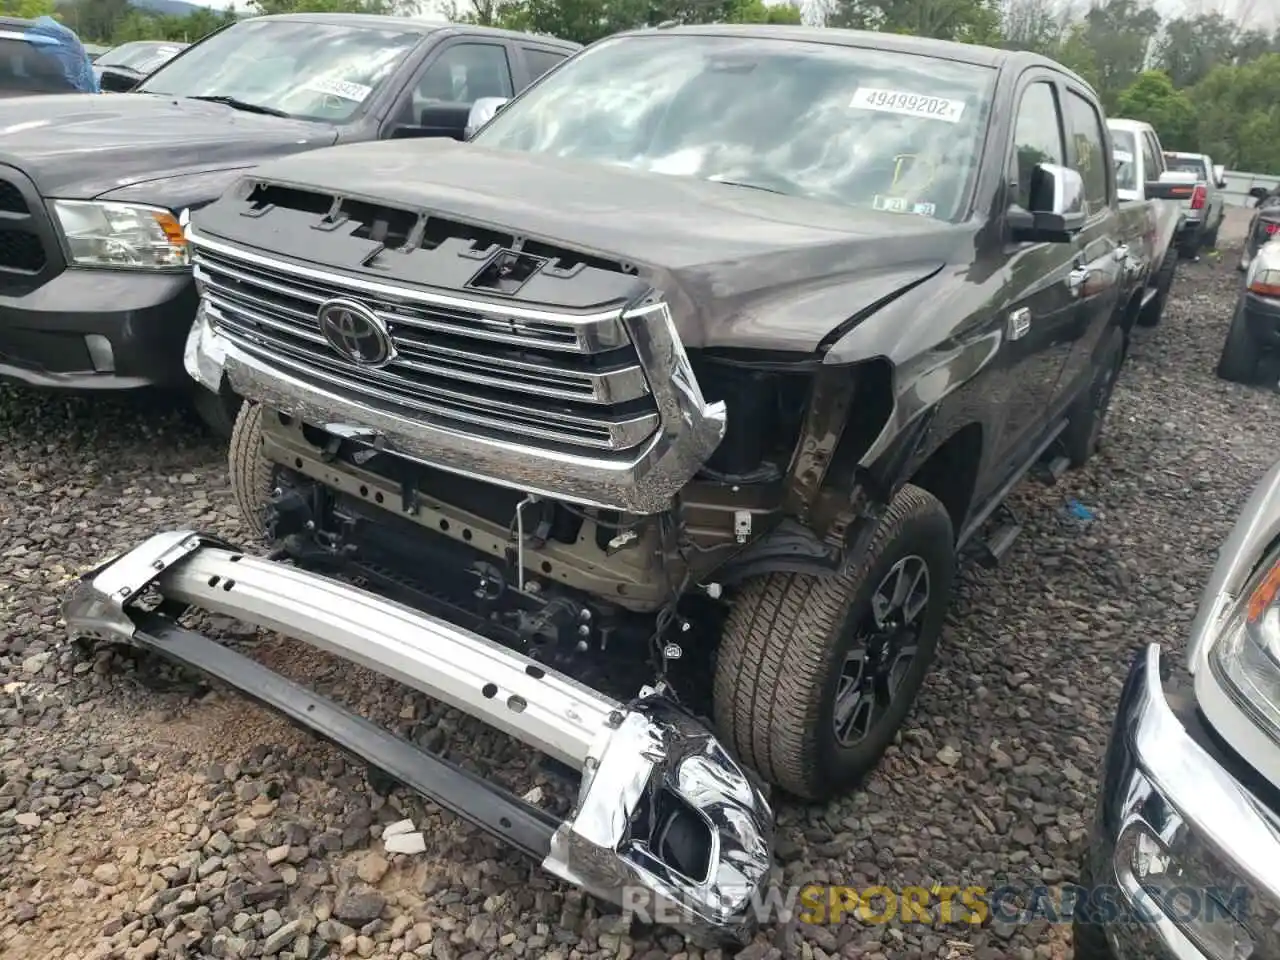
(79, 146)
(741, 267)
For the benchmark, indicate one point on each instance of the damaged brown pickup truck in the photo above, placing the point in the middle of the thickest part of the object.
(697, 367)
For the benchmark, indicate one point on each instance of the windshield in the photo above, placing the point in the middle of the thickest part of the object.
(140, 56)
(313, 71)
(1124, 151)
(1193, 165)
(853, 126)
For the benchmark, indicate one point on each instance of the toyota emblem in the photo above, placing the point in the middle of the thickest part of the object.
(356, 333)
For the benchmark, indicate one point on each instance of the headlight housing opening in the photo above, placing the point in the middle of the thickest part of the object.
(1246, 655)
(125, 235)
(1263, 274)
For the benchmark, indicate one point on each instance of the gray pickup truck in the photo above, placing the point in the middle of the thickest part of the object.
(657, 416)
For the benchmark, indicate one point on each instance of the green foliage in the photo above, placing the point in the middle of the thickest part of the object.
(27, 9)
(1153, 97)
(1239, 114)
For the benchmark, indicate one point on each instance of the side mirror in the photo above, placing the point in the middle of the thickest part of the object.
(1057, 211)
(482, 112)
(1259, 193)
(1220, 176)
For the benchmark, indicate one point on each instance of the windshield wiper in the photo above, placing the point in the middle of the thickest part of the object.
(752, 186)
(238, 104)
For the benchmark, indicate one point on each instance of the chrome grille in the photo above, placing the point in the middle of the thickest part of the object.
(515, 374)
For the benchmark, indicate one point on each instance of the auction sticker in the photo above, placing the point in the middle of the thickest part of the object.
(1123, 156)
(345, 89)
(907, 104)
(890, 204)
(924, 209)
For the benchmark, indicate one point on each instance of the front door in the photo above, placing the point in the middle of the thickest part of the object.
(438, 99)
(1041, 304)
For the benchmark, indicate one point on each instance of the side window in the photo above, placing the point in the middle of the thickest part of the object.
(540, 61)
(1152, 159)
(1037, 137)
(1156, 165)
(464, 73)
(1090, 157)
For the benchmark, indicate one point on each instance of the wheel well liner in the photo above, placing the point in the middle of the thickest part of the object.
(950, 472)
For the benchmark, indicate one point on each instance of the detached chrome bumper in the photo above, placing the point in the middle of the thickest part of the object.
(650, 772)
(1185, 859)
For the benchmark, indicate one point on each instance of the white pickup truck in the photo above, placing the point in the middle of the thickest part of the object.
(1142, 175)
(1205, 206)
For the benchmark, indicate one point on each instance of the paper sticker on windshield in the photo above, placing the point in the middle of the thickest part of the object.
(907, 104)
(924, 209)
(1123, 156)
(891, 204)
(345, 89)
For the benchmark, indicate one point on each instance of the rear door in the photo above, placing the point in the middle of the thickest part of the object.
(1101, 257)
(538, 59)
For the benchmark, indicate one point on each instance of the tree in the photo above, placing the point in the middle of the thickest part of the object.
(333, 6)
(1118, 34)
(1239, 115)
(973, 21)
(1192, 46)
(26, 9)
(1153, 98)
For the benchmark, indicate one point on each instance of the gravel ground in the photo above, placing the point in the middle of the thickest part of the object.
(141, 816)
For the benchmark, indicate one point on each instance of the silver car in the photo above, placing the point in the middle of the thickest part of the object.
(1185, 858)
(1203, 203)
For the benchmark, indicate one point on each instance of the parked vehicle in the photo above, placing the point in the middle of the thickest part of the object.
(1255, 326)
(1205, 206)
(94, 50)
(1264, 225)
(1141, 176)
(1183, 860)
(700, 363)
(95, 286)
(122, 68)
(41, 56)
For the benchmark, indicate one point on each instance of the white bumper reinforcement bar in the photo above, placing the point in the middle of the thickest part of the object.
(665, 819)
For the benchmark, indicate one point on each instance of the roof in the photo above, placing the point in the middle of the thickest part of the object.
(898, 43)
(374, 21)
(1132, 126)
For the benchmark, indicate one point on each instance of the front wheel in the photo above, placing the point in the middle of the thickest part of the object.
(1239, 360)
(252, 475)
(815, 674)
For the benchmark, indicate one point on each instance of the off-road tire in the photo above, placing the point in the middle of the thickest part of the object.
(1239, 360)
(1088, 938)
(218, 411)
(1153, 312)
(252, 475)
(785, 642)
(1081, 439)
(1211, 238)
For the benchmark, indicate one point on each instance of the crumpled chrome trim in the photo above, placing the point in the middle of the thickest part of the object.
(637, 482)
